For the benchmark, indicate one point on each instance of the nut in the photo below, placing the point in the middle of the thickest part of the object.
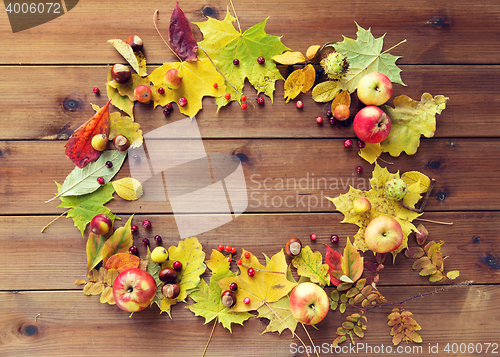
(167, 275)
(135, 42)
(171, 291)
(228, 298)
(121, 142)
(293, 247)
(121, 73)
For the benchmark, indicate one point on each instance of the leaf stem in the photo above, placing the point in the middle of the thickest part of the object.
(157, 14)
(55, 219)
(394, 46)
(310, 339)
(218, 70)
(432, 221)
(210, 338)
(235, 15)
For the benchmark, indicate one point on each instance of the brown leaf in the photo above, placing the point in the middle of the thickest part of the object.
(416, 252)
(422, 234)
(106, 294)
(344, 97)
(122, 262)
(79, 146)
(181, 36)
(396, 340)
(420, 263)
(413, 336)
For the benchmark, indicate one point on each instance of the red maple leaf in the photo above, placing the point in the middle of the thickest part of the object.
(79, 146)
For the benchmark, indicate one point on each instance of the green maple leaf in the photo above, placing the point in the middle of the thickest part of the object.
(208, 303)
(380, 206)
(364, 56)
(224, 43)
(83, 208)
(279, 315)
(409, 120)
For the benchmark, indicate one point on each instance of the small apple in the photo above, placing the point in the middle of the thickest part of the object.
(383, 234)
(159, 255)
(134, 289)
(309, 303)
(99, 142)
(100, 224)
(173, 78)
(372, 125)
(362, 205)
(375, 88)
(341, 112)
(143, 93)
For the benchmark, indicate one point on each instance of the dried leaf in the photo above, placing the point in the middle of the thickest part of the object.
(334, 261)
(411, 177)
(279, 315)
(310, 264)
(344, 97)
(79, 147)
(416, 252)
(119, 242)
(299, 81)
(122, 262)
(326, 91)
(352, 262)
(135, 59)
(371, 152)
(452, 275)
(80, 282)
(289, 58)
(128, 188)
(181, 36)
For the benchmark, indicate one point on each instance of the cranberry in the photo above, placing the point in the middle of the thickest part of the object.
(100, 181)
(233, 250)
(96, 90)
(260, 100)
(109, 164)
(157, 238)
(261, 60)
(246, 300)
(359, 169)
(233, 286)
(313, 236)
(134, 228)
(239, 262)
(146, 223)
(332, 120)
(145, 241)
(177, 265)
(319, 120)
(169, 106)
(166, 111)
(299, 104)
(361, 144)
(348, 143)
(251, 272)
(133, 250)
(236, 61)
(229, 259)
(136, 158)
(329, 114)
(161, 90)
(182, 102)
(334, 238)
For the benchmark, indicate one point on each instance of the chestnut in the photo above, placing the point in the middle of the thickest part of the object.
(121, 73)
(293, 247)
(171, 291)
(135, 42)
(228, 298)
(167, 275)
(121, 142)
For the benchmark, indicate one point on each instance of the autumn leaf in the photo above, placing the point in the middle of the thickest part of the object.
(127, 127)
(412, 177)
(352, 262)
(289, 58)
(122, 102)
(127, 89)
(122, 262)
(79, 146)
(181, 36)
(343, 98)
(310, 264)
(334, 261)
(365, 56)
(218, 265)
(128, 188)
(299, 81)
(95, 243)
(83, 208)
(371, 152)
(326, 91)
(269, 284)
(224, 43)
(198, 81)
(409, 120)
(154, 269)
(279, 315)
(135, 59)
(119, 242)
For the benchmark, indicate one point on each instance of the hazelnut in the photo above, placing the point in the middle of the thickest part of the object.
(171, 291)
(135, 42)
(228, 298)
(293, 247)
(121, 142)
(121, 73)
(167, 275)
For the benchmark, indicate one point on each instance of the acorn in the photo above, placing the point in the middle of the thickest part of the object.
(293, 247)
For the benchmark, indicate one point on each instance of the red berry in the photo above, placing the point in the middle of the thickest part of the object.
(236, 61)
(161, 90)
(169, 106)
(313, 236)
(243, 97)
(260, 100)
(348, 143)
(146, 223)
(145, 241)
(133, 250)
(227, 248)
(220, 247)
(100, 181)
(215, 85)
(233, 250)
(334, 238)
(299, 104)
(227, 96)
(319, 120)
(96, 90)
(134, 228)
(166, 111)
(177, 265)
(244, 106)
(251, 272)
(229, 259)
(261, 60)
(239, 262)
(331, 120)
(247, 255)
(233, 286)
(157, 238)
(109, 164)
(246, 300)
(182, 102)
(359, 169)
(361, 144)
(329, 114)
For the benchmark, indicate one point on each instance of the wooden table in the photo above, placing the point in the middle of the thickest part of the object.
(47, 76)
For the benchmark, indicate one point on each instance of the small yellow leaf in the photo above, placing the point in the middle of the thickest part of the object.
(412, 177)
(326, 91)
(452, 275)
(309, 77)
(80, 282)
(312, 51)
(166, 304)
(344, 97)
(128, 188)
(294, 84)
(106, 294)
(371, 152)
(289, 58)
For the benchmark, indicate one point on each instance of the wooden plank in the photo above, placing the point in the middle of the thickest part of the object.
(53, 109)
(59, 323)
(435, 31)
(58, 255)
(280, 175)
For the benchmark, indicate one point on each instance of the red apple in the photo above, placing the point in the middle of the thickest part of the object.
(100, 224)
(362, 205)
(372, 125)
(134, 289)
(383, 234)
(309, 303)
(374, 89)
(173, 78)
(143, 93)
